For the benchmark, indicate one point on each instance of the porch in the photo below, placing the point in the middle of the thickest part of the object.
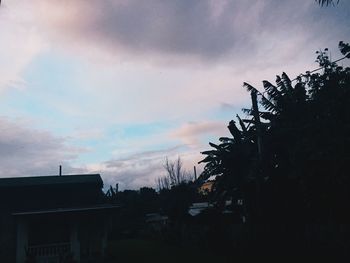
(50, 253)
(62, 235)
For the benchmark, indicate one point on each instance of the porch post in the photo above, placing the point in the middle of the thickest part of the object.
(105, 228)
(22, 240)
(74, 241)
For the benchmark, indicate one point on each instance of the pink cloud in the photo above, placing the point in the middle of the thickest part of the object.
(191, 133)
(20, 43)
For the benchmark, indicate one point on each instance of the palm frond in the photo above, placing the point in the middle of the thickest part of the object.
(268, 105)
(225, 139)
(236, 133)
(250, 88)
(215, 146)
(251, 121)
(287, 82)
(271, 90)
(281, 85)
(247, 111)
(212, 152)
(241, 123)
(267, 115)
(327, 2)
(206, 159)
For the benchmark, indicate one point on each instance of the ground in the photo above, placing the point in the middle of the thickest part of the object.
(138, 250)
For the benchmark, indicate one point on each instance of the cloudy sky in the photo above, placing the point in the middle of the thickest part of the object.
(115, 86)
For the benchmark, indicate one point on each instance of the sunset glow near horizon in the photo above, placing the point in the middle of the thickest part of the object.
(113, 87)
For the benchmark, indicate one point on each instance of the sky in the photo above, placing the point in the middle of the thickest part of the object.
(116, 86)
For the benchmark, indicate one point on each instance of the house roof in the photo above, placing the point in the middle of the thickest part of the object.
(51, 180)
(68, 210)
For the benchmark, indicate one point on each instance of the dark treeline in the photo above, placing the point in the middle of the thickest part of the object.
(286, 165)
(136, 204)
(282, 179)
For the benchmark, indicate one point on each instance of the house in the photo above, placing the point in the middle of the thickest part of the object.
(49, 218)
(207, 186)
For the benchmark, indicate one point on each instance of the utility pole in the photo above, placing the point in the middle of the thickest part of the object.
(253, 95)
(259, 149)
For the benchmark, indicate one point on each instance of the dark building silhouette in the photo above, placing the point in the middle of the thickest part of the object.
(48, 218)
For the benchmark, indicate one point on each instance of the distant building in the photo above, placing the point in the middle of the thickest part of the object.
(156, 218)
(197, 208)
(155, 222)
(48, 218)
(207, 186)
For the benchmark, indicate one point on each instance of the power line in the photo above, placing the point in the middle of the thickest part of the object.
(312, 71)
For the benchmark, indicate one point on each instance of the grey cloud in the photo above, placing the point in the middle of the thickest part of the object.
(172, 27)
(206, 29)
(139, 169)
(184, 27)
(25, 151)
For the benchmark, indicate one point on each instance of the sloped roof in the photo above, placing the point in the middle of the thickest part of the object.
(51, 180)
(212, 178)
(68, 210)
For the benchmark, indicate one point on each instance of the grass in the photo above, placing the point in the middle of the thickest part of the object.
(139, 250)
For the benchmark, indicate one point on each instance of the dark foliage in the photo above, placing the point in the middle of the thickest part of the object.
(176, 201)
(286, 165)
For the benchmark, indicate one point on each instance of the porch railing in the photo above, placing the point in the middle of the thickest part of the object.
(49, 252)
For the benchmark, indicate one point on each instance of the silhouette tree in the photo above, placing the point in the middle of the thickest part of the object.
(229, 161)
(286, 167)
(175, 174)
(297, 172)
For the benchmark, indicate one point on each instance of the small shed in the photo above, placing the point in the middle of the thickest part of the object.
(53, 219)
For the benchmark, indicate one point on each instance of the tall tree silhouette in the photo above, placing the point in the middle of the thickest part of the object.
(300, 171)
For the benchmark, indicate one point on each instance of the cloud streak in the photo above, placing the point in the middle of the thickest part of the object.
(205, 30)
(139, 169)
(25, 151)
(144, 167)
